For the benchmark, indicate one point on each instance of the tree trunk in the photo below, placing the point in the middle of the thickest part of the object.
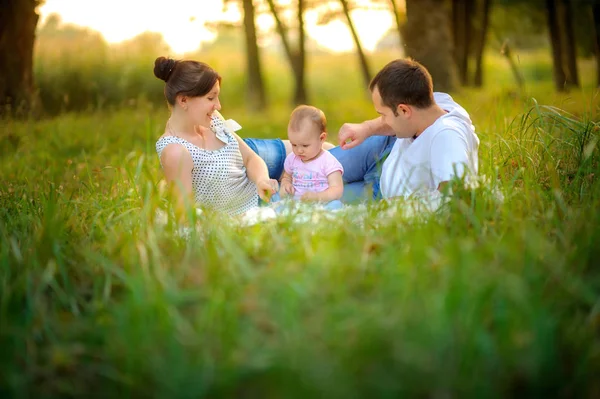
(554, 30)
(282, 31)
(458, 27)
(18, 21)
(364, 66)
(596, 18)
(428, 40)
(462, 28)
(481, 40)
(397, 18)
(255, 87)
(296, 59)
(300, 96)
(568, 40)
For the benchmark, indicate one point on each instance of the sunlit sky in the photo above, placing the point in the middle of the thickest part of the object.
(181, 22)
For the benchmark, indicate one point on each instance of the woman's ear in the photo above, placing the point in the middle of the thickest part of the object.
(182, 101)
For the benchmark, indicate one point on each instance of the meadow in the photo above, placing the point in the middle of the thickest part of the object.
(483, 298)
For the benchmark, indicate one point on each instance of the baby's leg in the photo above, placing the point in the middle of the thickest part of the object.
(334, 205)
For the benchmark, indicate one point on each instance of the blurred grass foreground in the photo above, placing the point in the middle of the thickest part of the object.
(481, 299)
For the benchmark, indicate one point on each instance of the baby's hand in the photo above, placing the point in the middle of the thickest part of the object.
(266, 188)
(310, 196)
(287, 188)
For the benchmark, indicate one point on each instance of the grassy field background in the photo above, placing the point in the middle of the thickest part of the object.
(483, 298)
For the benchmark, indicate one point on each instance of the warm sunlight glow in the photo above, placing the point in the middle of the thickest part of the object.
(370, 26)
(182, 22)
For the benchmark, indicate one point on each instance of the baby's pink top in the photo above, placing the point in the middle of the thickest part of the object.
(312, 175)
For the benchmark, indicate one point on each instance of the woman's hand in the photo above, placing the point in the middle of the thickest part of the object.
(286, 188)
(266, 188)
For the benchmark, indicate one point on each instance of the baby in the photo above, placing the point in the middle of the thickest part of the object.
(311, 173)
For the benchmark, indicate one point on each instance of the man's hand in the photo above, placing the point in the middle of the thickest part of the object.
(266, 188)
(286, 188)
(352, 134)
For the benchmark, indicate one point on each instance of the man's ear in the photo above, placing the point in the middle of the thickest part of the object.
(403, 109)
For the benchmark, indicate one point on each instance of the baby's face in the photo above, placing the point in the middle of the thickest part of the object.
(306, 141)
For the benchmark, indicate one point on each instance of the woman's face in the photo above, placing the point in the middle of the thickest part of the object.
(200, 108)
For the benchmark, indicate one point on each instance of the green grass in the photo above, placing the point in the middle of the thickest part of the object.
(483, 298)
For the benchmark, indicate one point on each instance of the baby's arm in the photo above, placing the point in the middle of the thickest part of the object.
(333, 192)
(287, 187)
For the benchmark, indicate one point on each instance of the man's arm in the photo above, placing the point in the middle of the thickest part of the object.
(353, 134)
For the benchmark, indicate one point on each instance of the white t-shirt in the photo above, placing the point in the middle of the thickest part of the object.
(446, 149)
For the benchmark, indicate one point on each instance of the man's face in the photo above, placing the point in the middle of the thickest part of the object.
(400, 123)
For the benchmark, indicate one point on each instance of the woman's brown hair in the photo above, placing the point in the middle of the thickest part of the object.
(185, 77)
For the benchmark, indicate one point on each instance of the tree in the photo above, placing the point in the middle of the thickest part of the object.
(296, 57)
(364, 65)
(562, 39)
(347, 7)
(396, 12)
(596, 19)
(462, 33)
(18, 21)
(255, 87)
(556, 44)
(428, 40)
(568, 38)
(470, 20)
(481, 36)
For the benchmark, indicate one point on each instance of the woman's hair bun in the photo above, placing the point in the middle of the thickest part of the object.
(163, 67)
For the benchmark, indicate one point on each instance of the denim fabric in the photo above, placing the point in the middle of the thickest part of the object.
(272, 151)
(362, 164)
(362, 167)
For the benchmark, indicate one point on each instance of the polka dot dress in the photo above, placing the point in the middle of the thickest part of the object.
(219, 177)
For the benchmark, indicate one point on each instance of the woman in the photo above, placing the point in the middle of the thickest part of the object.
(203, 158)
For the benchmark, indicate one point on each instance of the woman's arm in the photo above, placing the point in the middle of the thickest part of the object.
(333, 192)
(257, 171)
(177, 166)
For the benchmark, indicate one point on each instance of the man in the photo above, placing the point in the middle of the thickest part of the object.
(429, 138)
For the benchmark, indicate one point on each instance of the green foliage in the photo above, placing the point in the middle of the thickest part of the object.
(484, 298)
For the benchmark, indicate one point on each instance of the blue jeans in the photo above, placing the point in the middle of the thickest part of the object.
(362, 164)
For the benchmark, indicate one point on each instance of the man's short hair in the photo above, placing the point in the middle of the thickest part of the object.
(404, 81)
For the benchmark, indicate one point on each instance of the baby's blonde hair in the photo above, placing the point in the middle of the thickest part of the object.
(307, 112)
